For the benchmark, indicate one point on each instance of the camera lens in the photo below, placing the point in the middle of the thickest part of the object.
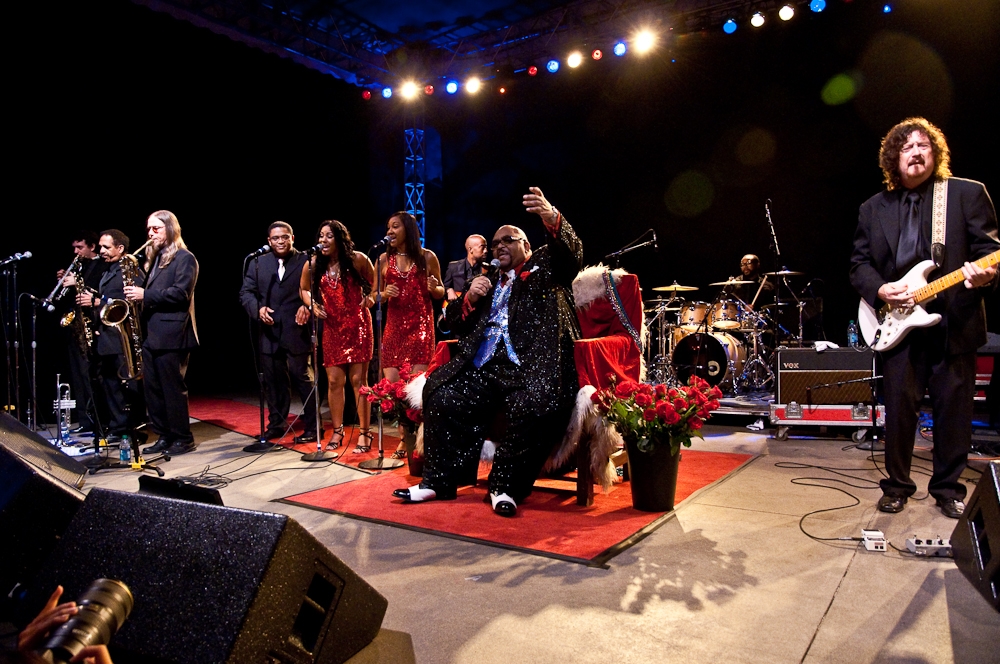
(104, 606)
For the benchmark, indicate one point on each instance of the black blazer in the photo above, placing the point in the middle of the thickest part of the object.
(262, 288)
(542, 324)
(112, 287)
(971, 233)
(168, 304)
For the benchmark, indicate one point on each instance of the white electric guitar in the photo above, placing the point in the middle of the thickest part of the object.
(892, 322)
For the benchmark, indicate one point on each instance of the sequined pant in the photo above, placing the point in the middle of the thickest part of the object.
(460, 414)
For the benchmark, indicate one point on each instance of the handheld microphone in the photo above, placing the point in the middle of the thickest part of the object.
(493, 271)
(315, 249)
(266, 249)
(384, 242)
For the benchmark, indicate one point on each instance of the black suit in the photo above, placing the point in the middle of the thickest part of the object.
(942, 358)
(170, 334)
(284, 346)
(461, 401)
(81, 371)
(124, 398)
(458, 274)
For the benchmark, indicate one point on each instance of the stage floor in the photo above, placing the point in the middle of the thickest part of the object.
(729, 576)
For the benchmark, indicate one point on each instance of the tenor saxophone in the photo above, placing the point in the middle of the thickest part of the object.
(123, 315)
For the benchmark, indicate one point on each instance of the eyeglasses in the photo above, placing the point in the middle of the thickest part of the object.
(279, 238)
(746, 262)
(506, 239)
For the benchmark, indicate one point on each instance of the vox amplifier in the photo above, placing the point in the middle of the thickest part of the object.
(801, 368)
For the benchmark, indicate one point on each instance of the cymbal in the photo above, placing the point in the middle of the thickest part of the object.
(674, 288)
(653, 310)
(784, 273)
(734, 282)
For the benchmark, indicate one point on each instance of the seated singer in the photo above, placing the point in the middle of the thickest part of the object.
(515, 355)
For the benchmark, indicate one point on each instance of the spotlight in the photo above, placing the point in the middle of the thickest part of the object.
(644, 41)
(366, 94)
(619, 49)
(503, 90)
(574, 59)
(386, 92)
(597, 55)
(817, 5)
(552, 66)
(729, 27)
(409, 90)
(428, 89)
(786, 13)
(757, 20)
(886, 8)
(532, 70)
(472, 85)
(451, 87)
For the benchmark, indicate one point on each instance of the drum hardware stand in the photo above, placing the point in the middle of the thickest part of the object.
(380, 463)
(662, 371)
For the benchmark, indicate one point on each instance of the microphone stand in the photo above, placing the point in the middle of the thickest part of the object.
(262, 444)
(380, 463)
(615, 255)
(13, 377)
(321, 454)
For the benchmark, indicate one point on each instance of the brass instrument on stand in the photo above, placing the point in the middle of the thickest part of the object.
(123, 315)
(76, 316)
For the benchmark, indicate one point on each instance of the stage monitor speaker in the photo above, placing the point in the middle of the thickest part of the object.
(212, 583)
(801, 368)
(38, 498)
(976, 540)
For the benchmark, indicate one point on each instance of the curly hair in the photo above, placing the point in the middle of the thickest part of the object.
(345, 257)
(888, 156)
(413, 247)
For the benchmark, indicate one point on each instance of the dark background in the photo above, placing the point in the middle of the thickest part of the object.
(115, 111)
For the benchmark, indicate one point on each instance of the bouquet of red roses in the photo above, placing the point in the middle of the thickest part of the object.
(390, 398)
(654, 414)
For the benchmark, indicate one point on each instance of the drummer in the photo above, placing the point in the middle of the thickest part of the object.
(751, 279)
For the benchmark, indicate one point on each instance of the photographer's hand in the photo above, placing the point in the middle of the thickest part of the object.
(52, 615)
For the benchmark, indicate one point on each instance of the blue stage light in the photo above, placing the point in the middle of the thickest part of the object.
(620, 49)
(386, 92)
(886, 8)
(817, 5)
(729, 27)
(552, 66)
(451, 87)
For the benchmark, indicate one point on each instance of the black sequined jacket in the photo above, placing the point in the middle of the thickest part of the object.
(542, 323)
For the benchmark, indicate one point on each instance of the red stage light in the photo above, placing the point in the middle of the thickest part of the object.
(429, 90)
(532, 70)
(597, 55)
(366, 95)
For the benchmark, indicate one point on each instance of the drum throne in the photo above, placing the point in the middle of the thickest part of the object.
(609, 310)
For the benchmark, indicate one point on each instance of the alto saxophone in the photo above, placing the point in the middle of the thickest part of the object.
(123, 315)
(76, 316)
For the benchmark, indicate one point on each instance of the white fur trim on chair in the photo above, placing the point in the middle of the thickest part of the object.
(604, 440)
(589, 284)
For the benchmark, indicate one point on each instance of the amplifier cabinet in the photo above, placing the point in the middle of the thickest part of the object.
(801, 368)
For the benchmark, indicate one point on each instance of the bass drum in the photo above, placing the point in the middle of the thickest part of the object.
(708, 356)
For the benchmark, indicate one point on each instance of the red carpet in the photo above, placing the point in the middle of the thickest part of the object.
(550, 523)
(245, 418)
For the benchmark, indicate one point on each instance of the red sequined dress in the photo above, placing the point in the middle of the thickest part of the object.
(409, 328)
(347, 328)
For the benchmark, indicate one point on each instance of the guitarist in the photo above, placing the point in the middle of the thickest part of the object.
(894, 234)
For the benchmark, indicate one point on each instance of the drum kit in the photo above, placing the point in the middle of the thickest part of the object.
(726, 342)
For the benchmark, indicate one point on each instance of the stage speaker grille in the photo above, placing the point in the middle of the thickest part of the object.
(975, 542)
(801, 368)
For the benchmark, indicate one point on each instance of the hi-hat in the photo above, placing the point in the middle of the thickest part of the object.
(657, 309)
(784, 273)
(674, 288)
(732, 282)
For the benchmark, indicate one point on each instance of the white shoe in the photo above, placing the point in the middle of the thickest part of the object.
(757, 426)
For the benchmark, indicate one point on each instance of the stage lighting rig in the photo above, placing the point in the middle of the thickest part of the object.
(757, 20)
(451, 87)
(386, 92)
(574, 59)
(552, 66)
(597, 54)
(409, 90)
(786, 13)
(472, 85)
(619, 49)
(817, 5)
(729, 27)
(644, 41)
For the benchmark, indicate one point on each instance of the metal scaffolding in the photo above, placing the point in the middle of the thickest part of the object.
(415, 172)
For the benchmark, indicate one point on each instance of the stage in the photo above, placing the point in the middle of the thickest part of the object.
(728, 575)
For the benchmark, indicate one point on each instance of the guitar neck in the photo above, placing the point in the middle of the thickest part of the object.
(953, 279)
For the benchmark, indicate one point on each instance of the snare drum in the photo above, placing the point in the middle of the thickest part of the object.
(708, 356)
(692, 316)
(725, 315)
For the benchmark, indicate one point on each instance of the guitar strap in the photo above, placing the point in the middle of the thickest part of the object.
(939, 211)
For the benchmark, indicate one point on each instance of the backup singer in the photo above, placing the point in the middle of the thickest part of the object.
(341, 298)
(170, 332)
(515, 355)
(893, 235)
(124, 397)
(270, 295)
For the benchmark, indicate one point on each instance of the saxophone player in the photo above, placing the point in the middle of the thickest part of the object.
(124, 397)
(72, 330)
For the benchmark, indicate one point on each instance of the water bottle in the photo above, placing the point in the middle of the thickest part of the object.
(125, 451)
(852, 334)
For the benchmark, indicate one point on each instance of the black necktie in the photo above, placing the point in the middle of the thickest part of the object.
(909, 235)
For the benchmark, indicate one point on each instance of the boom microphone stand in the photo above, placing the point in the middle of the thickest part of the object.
(380, 463)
